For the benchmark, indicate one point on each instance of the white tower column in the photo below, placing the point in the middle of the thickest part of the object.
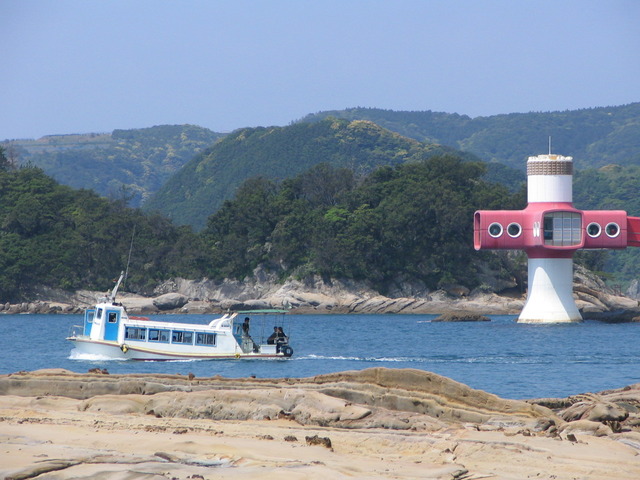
(550, 295)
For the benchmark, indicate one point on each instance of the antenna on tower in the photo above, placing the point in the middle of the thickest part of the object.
(549, 144)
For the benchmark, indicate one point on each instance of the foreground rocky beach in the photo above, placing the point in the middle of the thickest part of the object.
(375, 423)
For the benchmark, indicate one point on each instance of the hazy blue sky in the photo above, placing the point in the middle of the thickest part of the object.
(76, 66)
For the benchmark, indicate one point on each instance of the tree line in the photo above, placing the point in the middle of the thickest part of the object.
(410, 222)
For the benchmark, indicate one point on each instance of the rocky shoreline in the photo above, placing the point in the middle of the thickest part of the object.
(314, 295)
(374, 423)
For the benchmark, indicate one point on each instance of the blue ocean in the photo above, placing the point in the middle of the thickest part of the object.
(502, 357)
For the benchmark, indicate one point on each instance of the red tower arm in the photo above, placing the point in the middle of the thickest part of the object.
(633, 231)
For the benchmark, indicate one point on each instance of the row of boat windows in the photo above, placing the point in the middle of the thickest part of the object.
(175, 336)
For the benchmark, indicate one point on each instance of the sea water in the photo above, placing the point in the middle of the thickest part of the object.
(502, 357)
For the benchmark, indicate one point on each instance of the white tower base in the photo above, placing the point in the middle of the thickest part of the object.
(550, 297)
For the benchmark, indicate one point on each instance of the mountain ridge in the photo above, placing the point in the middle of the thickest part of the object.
(589, 134)
(129, 164)
(277, 153)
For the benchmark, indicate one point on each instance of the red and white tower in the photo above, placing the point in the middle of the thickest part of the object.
(550, 230)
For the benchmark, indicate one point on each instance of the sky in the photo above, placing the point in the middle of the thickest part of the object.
(81, 66)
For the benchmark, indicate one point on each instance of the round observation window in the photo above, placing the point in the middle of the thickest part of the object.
(612, 229)
(594, 229)
(514, 230)
(495, 230)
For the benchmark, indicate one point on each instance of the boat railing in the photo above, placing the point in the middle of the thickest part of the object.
(76, 331)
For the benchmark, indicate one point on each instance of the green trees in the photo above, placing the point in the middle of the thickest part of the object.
(4, 161)
(130, 164)
(202, 185)
(594, 136)
(53, 235)
(410, 221)
(237, 234)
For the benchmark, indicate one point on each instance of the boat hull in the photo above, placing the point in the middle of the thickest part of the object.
(116, 351)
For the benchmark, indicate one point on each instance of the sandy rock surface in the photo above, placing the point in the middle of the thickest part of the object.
(375, 423)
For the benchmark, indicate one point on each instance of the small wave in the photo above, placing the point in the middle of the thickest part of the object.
(511, 359)
(90, 357)
(362, 359)
(325, 357)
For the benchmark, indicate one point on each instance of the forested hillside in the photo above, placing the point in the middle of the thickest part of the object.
(56, 236)
(204, 183)
(135, 164)
(126, 164)
(343, 197)
(399, 224)
(594, 137)
(409, 223)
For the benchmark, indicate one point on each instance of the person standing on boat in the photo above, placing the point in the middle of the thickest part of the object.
(245, 334)
(245, 326)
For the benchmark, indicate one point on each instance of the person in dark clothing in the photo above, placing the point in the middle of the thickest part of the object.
(281, 337)
(272, 338)
(278, 338)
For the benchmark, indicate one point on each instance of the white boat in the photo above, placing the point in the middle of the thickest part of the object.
(109, 331)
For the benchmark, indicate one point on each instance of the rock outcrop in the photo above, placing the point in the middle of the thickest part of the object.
(613, 413)
(376, 423)
(170, 301)
(461, 317)
(397, 399)
(403, 399)
(316, 295)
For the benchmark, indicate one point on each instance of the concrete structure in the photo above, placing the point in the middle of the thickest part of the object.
(550, 230)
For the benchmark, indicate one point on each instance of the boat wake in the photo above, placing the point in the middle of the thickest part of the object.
(90, 357)
(94, 357)
(357, 359)
(507, 359)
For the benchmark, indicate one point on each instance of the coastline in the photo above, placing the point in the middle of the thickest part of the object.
(315, 295)
(376, 423)
(598, 305)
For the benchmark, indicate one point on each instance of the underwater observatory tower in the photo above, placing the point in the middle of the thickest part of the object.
(550, 230)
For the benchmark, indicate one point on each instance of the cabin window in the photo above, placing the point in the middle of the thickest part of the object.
(182, 337)
(562, 229)
(206, 339)
(156, 335)
(98, 314)
(135, 333)
(113, 317)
